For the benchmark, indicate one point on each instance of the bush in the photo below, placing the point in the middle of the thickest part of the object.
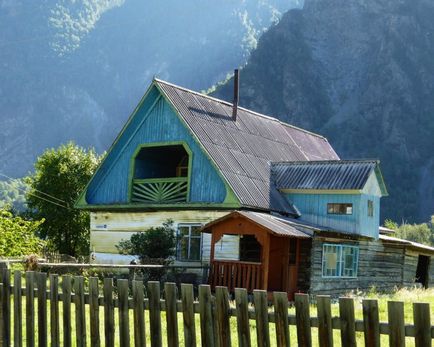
(18, 236)
(154, 246)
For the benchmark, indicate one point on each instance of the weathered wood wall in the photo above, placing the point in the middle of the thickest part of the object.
(303, 282)
(383, 265)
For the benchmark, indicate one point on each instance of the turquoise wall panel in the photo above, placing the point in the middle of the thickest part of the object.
(155, 121)
(313, 209)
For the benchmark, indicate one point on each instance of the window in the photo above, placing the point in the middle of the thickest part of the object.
(370, 208)
(334, 208)
(250, 249)
(339, 260)
(189, 242)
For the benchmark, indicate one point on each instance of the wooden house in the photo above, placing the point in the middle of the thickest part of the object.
(267, 204)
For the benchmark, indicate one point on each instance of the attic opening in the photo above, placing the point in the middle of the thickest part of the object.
(160, 174)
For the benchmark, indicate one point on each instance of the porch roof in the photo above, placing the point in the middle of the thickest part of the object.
(277, 225)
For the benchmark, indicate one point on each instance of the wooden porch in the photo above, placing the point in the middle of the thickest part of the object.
(268, 259)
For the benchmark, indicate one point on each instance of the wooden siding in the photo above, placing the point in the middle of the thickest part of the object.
(107, 229)
(303, 282)
(313, 209)
(154, 122)
(382, 265)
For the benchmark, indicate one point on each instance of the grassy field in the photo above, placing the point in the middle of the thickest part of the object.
(405, 295)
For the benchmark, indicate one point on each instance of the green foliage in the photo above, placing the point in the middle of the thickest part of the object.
(63, 174)
(12, 194)
(422, 233)
(18, 236)
(157, 243)
(388, 223)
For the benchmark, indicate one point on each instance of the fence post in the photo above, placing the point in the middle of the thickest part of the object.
(243, 328)
(54, 310)
(223, 332)
(348, 322)
(41, 281)
(304, 333)
(6, 303)
(261, 316)
(395, 311)
(155, 313)
(94, 312)
(124, 322)
(109, 316)
(422, 324)
(80, 317)
(18, 310)
(371, 323)
(171, 314)
(30, 308)
(206, 317)
(187, 298)
(280, 300)
(139, 314)
(66, 305)
(325, 328)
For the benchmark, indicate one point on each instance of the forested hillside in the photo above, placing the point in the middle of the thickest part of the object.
(362, 74)
(75, 70)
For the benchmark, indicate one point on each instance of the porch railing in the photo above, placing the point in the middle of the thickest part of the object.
(160, 190)
(236, 274)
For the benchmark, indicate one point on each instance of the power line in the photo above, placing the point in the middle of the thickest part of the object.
(40, 197)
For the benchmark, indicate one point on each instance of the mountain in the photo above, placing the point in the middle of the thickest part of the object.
(360, 72)
(75, 69)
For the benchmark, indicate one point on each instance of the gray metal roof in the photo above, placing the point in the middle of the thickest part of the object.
(278, 225)
(243, 149)
(337, 174)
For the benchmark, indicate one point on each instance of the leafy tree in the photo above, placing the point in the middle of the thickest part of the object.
(157, 243)
(18, 236)
(12, 193)
(60, 176)
(422, 233)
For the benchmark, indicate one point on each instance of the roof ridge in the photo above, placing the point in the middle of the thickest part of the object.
(239, 107)
(310, 162)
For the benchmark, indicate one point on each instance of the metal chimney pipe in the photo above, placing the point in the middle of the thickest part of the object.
(236, 95)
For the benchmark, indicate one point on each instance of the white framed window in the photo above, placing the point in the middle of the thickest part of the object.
(189, 246)
(339, 260)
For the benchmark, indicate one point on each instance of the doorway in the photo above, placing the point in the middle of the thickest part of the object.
(422, 270)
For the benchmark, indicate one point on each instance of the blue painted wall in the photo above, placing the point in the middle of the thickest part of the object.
(154, 121)
(313, 208)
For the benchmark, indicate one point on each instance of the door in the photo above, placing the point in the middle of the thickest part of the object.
(422, 270)
(278, 263)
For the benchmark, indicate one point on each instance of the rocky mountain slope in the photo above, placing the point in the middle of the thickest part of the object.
(362, 74)
(74, 70)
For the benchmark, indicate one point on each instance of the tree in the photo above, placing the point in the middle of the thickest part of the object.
(421, 233)
(18, 236)
(60, 176)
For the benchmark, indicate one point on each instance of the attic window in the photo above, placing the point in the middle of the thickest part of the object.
(335, 208)
(161, 174)
(161, 162)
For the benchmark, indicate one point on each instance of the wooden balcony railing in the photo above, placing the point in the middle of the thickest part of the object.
(236, 274)
(160, 190)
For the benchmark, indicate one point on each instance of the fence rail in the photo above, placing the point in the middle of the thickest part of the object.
(214, 313)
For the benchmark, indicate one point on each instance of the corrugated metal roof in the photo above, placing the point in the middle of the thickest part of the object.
(277, 225)
(337, 174)
(243, 149)
(414, 245)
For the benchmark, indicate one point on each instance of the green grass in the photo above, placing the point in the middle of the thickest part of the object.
(408, 296)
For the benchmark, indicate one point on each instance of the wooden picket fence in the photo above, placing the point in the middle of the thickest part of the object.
(214, 313)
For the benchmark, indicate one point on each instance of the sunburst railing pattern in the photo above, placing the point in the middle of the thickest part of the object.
(160, 190)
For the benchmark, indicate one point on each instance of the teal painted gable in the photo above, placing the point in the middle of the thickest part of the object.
(313, 209)
(154, 121)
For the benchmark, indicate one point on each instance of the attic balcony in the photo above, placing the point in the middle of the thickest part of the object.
(160, 190)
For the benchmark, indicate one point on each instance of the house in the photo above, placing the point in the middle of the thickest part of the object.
(267, 204)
